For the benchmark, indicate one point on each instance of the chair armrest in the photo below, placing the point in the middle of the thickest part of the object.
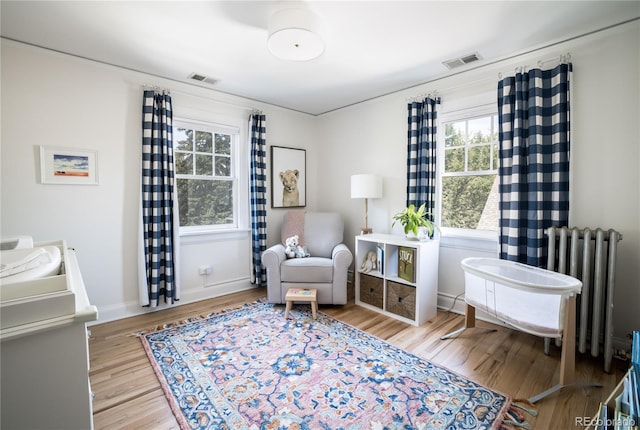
(272, 258)
(341, 256)
(342, 259)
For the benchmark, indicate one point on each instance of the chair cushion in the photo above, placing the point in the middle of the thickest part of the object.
(322, 232)
(311, 269)
(293, 224)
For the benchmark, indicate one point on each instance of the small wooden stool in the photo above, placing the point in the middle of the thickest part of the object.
(301, 295)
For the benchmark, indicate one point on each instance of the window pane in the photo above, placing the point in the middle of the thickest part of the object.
(204, 165)
(184, 163)
(183, 139)
(223, 144)
(470, 202)
(454, 160)
(205, 202)
(204, 142)
(204, 174)
(223, 166)
(454, 134)
(479, 158)
(480, 130)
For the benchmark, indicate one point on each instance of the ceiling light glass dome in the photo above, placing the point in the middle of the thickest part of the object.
(294, 35)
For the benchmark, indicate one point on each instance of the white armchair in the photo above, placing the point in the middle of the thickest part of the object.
(326, 269)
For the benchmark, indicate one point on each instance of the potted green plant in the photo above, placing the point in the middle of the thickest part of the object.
(414, 221)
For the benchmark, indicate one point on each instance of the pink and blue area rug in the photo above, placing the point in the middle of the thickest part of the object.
(252, 369)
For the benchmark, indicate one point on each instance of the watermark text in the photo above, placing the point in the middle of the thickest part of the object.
(606, 423)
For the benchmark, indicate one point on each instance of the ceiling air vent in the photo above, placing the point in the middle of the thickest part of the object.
(202, 78)
(457, 62)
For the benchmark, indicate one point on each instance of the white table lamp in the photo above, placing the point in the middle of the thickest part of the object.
(366, 187)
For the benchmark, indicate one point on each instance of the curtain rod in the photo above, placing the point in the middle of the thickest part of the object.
(561, 59)
(158, 88)
(419, 97)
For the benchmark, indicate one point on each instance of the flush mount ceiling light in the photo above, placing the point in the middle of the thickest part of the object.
(294, 35)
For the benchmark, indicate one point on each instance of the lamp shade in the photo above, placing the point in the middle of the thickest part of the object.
(366, 186)
(294, 35)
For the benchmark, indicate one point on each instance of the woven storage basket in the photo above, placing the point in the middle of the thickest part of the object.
(371, 290)
(401, 299)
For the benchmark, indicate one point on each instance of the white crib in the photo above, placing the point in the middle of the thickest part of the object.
(530, 299)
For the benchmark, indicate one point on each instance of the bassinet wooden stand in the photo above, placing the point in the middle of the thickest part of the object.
(567, 359)
(469, 322)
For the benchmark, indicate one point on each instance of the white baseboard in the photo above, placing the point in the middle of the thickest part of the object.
(133, 308)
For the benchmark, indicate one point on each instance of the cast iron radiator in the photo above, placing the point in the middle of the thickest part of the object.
(590, 256)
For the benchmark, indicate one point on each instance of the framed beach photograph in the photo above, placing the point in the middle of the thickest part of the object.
(68, 166)
(288, 177)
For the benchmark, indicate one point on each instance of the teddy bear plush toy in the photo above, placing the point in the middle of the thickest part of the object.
(293, 249)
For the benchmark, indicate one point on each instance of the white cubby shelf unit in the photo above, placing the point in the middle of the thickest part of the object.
(382, 289)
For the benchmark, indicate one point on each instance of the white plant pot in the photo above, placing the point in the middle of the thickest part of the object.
(422, 235)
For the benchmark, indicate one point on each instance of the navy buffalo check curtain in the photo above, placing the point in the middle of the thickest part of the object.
(421, 154)
(534, 135)
(258, 192)
(158, 244)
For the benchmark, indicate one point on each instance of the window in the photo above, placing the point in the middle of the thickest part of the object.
(206, 177)
(469, 170)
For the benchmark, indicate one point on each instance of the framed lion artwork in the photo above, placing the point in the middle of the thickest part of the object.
(288, 177)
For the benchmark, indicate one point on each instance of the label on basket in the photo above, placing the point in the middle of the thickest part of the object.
(406, 257)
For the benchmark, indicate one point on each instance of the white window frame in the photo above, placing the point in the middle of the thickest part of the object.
(239, 174)
(463, 114)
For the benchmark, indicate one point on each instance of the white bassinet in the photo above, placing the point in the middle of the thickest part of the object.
(530, 299)
(534, 300)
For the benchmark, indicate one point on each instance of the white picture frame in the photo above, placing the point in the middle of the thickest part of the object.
(68, 166)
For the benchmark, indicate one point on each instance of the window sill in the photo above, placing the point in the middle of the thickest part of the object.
(470, 240)
(213, 235)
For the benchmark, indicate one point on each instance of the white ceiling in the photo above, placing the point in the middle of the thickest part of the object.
(372, 47)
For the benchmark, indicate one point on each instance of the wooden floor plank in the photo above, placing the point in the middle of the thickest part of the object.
(128, 394)
(149, 411)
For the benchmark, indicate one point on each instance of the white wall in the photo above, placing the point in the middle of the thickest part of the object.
(53, 99)
(371, 137)
(58, 100)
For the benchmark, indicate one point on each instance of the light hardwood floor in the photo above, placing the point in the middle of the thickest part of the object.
(128, 394)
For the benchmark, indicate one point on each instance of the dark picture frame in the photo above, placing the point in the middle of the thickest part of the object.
(288, 177)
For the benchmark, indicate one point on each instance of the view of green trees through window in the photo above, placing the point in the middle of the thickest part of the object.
(469, 180)
(203, 162)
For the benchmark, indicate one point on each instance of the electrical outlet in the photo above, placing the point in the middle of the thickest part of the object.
(204, 270)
